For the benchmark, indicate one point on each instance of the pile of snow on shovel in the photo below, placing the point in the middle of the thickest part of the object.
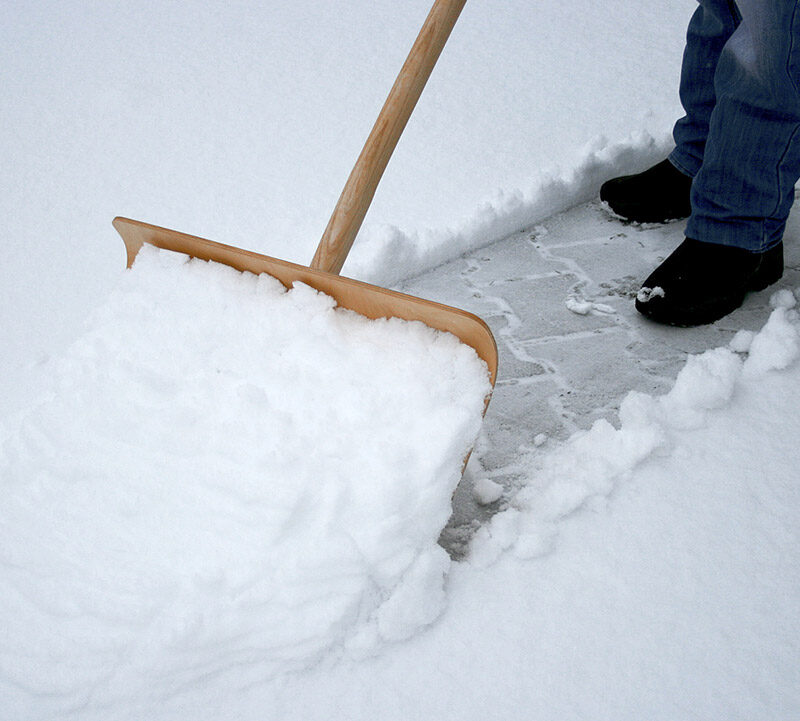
(226, 475)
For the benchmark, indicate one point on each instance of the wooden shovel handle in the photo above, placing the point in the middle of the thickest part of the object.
(365, 176)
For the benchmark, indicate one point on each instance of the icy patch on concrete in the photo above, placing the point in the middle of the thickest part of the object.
(591, 464)
(226, 476)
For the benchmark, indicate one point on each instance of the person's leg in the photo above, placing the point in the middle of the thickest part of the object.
(710, 28)
(744, 188)
(662, 192)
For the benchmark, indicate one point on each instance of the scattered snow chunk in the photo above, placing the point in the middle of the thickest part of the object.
(645, 295)
(741, 342)
(540, 439)
(776, 346)
(783, 298)
(706, 382)
(486, 491)
(584, 307)
(580, 307)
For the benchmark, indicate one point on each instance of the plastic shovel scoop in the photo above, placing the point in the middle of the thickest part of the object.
(368, 300)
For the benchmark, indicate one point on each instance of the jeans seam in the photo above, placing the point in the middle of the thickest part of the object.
(678, 164)
(778, 171)
(791, 51)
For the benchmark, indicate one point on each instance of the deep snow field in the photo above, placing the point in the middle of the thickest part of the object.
(192, 529)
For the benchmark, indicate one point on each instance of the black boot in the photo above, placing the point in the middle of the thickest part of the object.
(654, 196)
(702, 282)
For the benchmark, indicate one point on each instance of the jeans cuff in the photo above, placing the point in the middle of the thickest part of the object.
(756, 236)
(685, 163)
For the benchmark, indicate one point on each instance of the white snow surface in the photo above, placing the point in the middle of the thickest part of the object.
(223, 464)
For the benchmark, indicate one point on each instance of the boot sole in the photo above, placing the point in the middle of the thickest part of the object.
(635, 214)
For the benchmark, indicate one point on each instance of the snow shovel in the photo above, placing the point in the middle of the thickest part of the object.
(368, 300)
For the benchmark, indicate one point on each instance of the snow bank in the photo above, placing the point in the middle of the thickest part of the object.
(225, 476)
(387, 254)
(590, 466)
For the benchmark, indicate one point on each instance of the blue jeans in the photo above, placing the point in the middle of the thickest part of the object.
(740, 138)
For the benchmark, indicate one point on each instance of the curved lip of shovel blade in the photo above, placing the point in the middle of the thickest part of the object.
(368, 300)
